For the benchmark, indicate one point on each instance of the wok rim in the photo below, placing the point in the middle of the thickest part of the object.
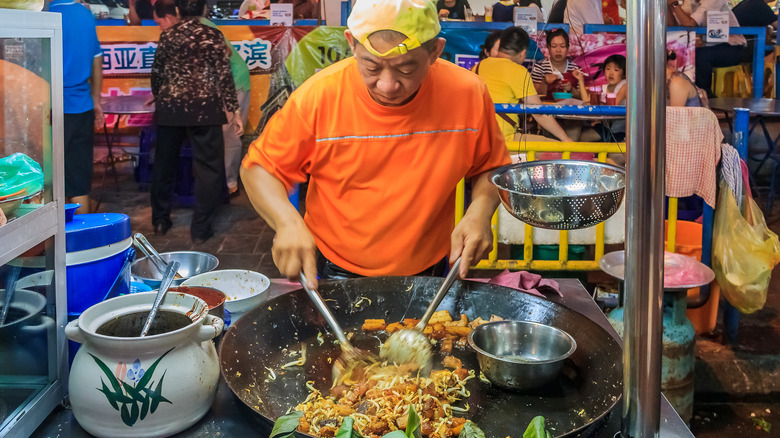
(596, 421)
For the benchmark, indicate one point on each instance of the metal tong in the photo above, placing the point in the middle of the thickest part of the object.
(141, 243)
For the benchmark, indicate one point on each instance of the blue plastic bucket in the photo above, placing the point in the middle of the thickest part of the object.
(98, 249)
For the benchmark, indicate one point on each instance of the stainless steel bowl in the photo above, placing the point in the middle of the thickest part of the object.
(520, 355)
(191, 263)
(560, 194)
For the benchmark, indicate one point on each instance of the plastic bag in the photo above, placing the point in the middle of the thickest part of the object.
(19, 175)
(744, 251)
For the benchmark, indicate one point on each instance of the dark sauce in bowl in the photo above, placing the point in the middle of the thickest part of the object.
(131, 324)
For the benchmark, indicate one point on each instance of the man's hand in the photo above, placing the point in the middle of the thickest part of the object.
(443, 13)
(100, 118)
(550, 78)
(293, 250)
(236, 123)
(471, 240)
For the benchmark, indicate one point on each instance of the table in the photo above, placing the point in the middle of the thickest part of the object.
(120, 106)
(230, 418)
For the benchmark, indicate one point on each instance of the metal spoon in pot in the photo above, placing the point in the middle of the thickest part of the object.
(167, 279)
(351, 357)
(411, 346)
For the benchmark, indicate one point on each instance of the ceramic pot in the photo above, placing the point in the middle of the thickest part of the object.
(25, 335)
(122, 385)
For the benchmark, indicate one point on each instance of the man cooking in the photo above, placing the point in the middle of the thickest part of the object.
(384, 137)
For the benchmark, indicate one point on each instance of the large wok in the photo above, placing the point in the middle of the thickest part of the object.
(576, 403)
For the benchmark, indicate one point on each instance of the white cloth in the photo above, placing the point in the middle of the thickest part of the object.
(581, 12)
(698, 10)
(731, 170)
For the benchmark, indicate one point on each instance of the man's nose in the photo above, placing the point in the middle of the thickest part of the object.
(387, 82)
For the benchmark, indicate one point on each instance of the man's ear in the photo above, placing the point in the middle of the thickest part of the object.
(438, 49)
(350, 40)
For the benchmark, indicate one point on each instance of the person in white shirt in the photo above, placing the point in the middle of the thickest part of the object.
(693, 13)
(578, 13)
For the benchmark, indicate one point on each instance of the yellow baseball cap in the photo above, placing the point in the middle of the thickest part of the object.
(418, 20)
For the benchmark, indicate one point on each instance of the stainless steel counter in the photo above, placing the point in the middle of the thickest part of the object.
(228, 417)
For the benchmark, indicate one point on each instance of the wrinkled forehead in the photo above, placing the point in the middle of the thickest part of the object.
(412, 59)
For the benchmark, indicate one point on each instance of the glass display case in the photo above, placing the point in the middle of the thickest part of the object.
(33, 352)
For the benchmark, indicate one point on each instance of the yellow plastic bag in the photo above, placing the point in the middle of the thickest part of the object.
(744, 251)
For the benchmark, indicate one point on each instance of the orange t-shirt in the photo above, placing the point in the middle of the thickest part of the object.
(381, 196)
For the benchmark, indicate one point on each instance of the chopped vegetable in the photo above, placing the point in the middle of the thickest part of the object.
(536, 429)
(762, 424)
(284, 427)
(297, 363)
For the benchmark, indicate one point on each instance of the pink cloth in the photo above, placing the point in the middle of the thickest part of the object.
(524, 281)
(693, 139)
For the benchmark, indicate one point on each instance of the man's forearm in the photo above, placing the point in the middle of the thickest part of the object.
(269, 197)
(96, 79)
(484, 198)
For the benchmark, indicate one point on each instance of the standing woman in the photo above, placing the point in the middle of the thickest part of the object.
(193, 89)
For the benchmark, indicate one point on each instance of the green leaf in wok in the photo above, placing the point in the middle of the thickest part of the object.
(346, 430)
(536, 429)
(395, 434)
(470, 430)
(284, 426)
(413, 424)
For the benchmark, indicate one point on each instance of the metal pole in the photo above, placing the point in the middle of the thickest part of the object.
(646, 113)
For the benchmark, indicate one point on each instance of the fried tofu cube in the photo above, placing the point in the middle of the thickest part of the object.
(374, 325)
(462, 322)
(440, 316)
(410, 322)
(461, 342)
(495, 318)
(477, 322)
(394, 327)
(459, 331)
(446, 345)
(452, 362)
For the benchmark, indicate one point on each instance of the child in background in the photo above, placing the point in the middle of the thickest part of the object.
(614, 92)
(615, 73)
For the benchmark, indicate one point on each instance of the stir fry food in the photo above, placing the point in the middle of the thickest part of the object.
(380, 403)
(441, 328)
(378, 398)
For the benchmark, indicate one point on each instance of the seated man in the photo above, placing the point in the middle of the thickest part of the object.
(555, 72)
(509, 82)
(383, 138)
(710, 55)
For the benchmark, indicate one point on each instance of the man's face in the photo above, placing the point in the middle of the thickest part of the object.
(166, 21)
(393, 81)
(558, 49)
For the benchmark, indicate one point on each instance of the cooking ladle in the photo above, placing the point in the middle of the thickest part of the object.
(350, 356)
(167, 279)
(10, 288)
(149, 251)
(411, 346)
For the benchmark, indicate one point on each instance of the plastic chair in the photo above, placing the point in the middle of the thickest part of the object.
(731, 81)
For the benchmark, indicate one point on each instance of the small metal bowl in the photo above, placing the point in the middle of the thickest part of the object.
(560, 194)
(521, 355)
(191, 263)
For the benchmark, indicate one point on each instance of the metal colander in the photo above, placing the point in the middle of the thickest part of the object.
(560, 194)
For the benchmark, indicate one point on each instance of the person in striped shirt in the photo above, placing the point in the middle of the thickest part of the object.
(554, 73)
